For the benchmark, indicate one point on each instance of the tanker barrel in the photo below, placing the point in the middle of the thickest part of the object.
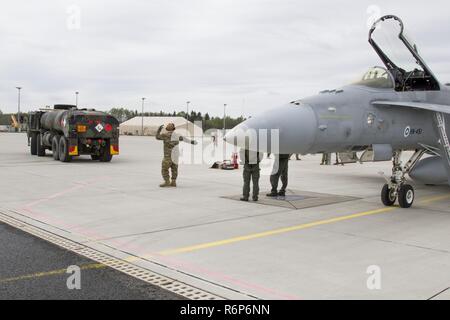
(52, 120)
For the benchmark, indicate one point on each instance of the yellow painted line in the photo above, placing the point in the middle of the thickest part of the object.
(274, 232)
(51, 273)
(288, 229)
(228, 241)
(434, 199)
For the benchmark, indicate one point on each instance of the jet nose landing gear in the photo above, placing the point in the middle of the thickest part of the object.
(405, 196)
(396, 187)
(404, 193)
(388, 195)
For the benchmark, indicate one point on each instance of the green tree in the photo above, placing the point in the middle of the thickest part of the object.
(208, 122)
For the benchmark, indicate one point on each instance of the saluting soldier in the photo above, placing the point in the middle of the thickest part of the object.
(171, 153)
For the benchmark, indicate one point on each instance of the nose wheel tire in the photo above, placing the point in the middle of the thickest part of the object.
(388, 196)
(405, 196)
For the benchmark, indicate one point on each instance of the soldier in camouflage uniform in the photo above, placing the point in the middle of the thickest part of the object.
(251, 160)
(170, 160)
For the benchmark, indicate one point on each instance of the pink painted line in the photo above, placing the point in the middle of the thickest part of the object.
(127, 246)
(53, 196)
(79, 185)
(221, 276)
(199, 270)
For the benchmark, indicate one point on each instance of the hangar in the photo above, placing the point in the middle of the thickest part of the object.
(150, 125)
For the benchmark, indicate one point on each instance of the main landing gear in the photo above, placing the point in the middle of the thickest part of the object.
(396, 187)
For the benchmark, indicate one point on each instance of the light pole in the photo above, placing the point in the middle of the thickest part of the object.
(187, 109)
(18, 108)
(142, 117)
(76, 98)
(224, 117)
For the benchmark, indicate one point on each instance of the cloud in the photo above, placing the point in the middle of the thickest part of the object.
(252, 55)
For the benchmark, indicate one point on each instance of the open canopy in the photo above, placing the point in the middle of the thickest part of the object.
(401, 56)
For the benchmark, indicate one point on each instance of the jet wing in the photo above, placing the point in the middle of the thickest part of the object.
(414, 105)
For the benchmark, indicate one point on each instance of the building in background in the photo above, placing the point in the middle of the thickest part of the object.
(133, 126)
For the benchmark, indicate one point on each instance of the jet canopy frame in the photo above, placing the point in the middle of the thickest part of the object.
(420, 78)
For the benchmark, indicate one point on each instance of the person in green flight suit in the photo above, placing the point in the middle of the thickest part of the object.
(282, 161)
(251, 160)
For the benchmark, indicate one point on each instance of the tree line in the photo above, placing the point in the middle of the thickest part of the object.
(209, 122)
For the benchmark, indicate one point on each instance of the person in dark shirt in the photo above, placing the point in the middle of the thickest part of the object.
(251, 160)
(280, 174)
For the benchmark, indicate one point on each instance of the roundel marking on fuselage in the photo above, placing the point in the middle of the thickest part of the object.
(407, 132)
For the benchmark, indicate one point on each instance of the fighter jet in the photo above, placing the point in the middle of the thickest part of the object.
(392, 109)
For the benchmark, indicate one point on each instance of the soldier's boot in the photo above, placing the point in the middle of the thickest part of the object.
(244, 199)
(165, 184)
(282, 193)
(173, 183)
(272, 193)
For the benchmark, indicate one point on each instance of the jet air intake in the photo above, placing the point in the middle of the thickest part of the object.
(430, 171)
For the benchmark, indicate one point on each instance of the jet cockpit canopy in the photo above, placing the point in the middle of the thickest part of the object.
(401, 56)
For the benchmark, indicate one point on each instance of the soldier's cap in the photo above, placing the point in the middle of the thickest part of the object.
(170, 127)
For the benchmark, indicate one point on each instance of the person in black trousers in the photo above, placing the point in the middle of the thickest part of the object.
(280, 174)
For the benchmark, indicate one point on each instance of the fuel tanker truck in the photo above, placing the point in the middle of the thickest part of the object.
(69, 132)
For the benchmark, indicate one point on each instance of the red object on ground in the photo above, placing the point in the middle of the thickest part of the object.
(234, 160)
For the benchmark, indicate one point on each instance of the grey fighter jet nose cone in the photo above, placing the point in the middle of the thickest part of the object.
(287, 129)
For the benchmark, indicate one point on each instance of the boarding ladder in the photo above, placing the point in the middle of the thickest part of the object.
(440, 121)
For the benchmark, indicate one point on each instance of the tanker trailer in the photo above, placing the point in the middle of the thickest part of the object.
(68, 132)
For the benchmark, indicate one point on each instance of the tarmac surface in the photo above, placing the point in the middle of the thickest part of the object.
(32, 268)
(344, 244)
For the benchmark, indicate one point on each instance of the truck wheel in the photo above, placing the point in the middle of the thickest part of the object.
(105, 154)
(55, 147)
(39, 147)
(33, 144)
(64, 150)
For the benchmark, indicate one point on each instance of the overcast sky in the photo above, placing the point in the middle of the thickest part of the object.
(251, 54)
